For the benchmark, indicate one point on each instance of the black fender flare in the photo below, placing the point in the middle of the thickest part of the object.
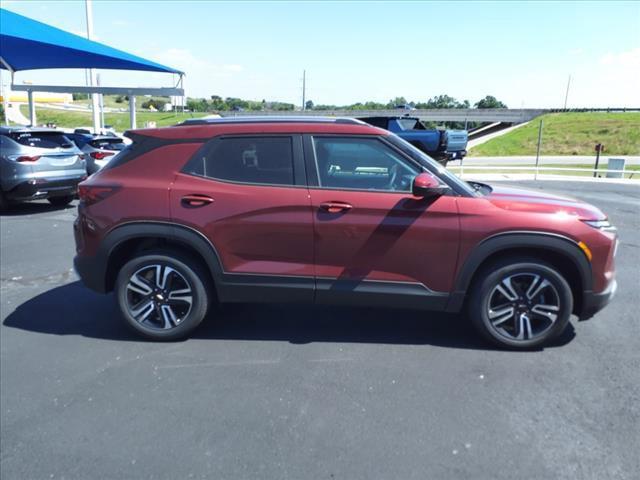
(177, 233)
(537, 241)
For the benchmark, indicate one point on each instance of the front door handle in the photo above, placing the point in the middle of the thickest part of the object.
(196, 200)
(336, 207)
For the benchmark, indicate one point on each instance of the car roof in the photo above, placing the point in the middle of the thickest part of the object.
(22, 129)
(206, 128)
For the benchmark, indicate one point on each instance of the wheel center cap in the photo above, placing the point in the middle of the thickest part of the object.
(159, 297)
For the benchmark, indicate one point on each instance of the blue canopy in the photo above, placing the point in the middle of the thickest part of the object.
(26, 44)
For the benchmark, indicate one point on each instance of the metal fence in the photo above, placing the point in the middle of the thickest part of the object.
(535, 170)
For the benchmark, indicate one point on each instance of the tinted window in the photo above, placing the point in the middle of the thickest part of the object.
(410, 124)
(361, 163)
(376, 122)
(41, 139)
(247, 159)
(108, 144)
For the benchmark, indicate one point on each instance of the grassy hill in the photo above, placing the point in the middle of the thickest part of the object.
(569, 134)
(120, 121)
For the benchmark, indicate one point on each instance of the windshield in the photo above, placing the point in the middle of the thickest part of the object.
(431, 165)
(108, 144)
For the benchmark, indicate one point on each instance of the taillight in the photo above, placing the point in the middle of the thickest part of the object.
(101, 155)
(26, 158)
(91, 194)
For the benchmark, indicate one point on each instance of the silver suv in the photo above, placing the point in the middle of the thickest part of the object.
(38, 163)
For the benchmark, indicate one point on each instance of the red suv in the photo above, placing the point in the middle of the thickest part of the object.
(330, 210)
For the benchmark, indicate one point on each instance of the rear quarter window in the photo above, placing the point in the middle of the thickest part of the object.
(41, 139)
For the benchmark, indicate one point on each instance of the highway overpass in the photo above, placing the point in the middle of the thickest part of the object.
(493, 115)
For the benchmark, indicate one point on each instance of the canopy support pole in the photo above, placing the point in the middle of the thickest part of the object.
(32, 108)
(132, 110)
(3, 91)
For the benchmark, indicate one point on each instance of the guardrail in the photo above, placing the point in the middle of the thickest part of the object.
(537, 169)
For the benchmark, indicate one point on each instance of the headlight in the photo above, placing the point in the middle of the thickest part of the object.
(604, 225)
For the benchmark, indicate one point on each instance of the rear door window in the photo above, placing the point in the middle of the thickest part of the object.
(261, 160)
(41, 139)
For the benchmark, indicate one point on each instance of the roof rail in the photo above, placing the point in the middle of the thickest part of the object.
(269, 119)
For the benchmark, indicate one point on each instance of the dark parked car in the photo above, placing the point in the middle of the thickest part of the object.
(330, 211)
(38, 163)
(442, 145)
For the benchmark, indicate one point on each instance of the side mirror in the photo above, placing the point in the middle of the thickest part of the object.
(426, 185)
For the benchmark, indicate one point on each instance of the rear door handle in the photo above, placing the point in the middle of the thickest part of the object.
(196, 200)
(336, 207)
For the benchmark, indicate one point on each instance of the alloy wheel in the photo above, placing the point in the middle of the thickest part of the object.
(159, 297)
(523, 306)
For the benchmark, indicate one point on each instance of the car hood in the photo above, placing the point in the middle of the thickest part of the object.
(529, 200)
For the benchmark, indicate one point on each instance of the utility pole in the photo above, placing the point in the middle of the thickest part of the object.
(566, 96)
(304, 90)
(92, 74)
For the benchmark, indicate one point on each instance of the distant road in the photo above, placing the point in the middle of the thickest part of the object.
(544, 160)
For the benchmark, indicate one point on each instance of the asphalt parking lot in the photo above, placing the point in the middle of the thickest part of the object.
(300, 392)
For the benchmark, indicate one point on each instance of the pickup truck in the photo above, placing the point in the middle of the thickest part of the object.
(442, 145)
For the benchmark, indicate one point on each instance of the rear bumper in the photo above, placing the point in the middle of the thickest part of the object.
(592, 303)
(35, 188)
(91, 272)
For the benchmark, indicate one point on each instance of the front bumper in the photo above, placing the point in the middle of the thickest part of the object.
(592, 303)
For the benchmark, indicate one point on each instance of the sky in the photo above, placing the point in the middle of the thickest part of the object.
(520, 52)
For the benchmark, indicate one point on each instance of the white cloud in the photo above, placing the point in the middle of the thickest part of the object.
(203, 77)
(627, 60)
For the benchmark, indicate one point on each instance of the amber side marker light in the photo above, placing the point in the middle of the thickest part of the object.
(585, 249)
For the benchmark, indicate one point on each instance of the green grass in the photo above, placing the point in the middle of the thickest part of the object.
(542, 171)
(110, 101)
(119, 121)
(569, 134)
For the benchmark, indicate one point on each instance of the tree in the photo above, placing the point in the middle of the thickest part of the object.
(157, 104)
(197, 104)
(79, 96)
(442, 101)
(490, 102)
(308, 105)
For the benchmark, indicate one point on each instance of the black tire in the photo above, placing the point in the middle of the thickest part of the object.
(532, 323)
(61, 201)
(4, 203)
(189, 274)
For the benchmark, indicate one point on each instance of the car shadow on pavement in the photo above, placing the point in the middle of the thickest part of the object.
(32, 208)
(72, 309)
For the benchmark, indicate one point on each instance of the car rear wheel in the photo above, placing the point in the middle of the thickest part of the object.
(4, 203)
(163, 295)
(520, 304)
(61, 201)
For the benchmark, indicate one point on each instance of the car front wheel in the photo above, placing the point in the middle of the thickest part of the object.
(163, 295)
(520, 304)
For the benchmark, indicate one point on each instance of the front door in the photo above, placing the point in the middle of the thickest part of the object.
(371, 235)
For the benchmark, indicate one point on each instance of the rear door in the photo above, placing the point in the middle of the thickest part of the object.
(371, 235)
(248, 196)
